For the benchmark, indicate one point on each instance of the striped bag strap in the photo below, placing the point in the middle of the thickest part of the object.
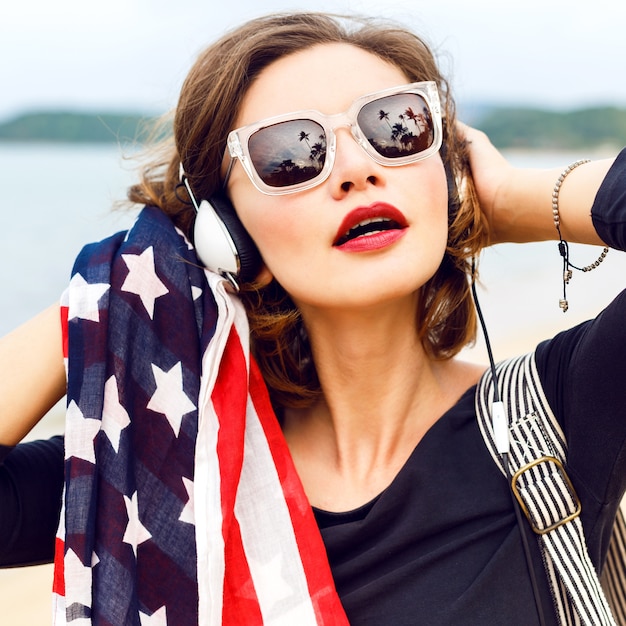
(540, 483)
(614, 572)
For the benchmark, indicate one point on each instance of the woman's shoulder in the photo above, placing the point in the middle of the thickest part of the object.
(461, 375)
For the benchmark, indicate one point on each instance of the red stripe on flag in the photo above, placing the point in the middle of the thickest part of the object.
(65, 311)
(241, 605)
(328, 608)
(58, 580)
(230, 397)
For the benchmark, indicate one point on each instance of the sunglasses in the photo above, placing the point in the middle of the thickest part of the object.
(296, 151)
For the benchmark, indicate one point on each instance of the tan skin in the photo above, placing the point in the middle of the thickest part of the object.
(32, 374)
(350, 445)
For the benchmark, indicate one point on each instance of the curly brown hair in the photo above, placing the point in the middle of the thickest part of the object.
(209, 103)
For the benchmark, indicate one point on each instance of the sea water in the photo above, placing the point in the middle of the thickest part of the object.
(55, 198)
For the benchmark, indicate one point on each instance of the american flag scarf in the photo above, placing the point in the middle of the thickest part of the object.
(181, 505)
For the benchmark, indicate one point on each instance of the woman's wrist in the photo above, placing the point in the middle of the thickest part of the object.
(523, 209)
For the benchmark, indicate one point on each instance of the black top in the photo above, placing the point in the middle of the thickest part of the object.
(31, 484)
(440, 545)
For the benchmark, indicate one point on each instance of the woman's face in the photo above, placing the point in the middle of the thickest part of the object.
(300, 235)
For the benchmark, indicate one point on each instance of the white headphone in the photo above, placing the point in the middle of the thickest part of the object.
(222, 243)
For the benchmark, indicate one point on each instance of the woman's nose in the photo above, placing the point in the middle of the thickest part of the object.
(353, 168)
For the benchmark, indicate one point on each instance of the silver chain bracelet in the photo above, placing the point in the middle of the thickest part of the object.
(563, 245)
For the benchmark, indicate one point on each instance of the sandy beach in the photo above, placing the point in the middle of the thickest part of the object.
(25, 596)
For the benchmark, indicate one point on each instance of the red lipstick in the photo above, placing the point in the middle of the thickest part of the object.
(370, 228)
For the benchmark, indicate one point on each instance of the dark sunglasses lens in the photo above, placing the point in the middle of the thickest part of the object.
(288, 153)
(398, 126)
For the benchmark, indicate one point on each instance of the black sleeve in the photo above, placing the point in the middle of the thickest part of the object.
(31, 484)
(609, 208)
(583, 372)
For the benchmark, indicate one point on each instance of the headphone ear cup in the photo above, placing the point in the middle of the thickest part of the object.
(221, 241)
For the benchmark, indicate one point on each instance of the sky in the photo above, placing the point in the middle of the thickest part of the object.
(120, 55)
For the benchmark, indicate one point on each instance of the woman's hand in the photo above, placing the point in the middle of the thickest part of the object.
(517, 202)
(490, 172)
(32, 374)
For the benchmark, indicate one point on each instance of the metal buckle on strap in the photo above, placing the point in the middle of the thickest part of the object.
(574, 508)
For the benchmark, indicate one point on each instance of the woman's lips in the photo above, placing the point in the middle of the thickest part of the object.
(370, 228)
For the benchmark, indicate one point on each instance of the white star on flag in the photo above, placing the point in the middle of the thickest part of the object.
(142, 279)
(186, 515)
(81, 444)
(136, 532)
(158, 618)
(76, 571)
(84, 298)
(271, 582)
(114, 415)
(169, 397)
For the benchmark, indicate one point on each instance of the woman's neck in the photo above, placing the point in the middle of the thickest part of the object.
(381, 394)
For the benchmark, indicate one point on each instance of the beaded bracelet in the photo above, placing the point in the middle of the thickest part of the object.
(563, 246)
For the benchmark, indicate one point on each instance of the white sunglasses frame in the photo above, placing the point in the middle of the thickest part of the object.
(237, 142)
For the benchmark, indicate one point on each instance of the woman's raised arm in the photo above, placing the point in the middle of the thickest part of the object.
(32, 374)
(518, 201)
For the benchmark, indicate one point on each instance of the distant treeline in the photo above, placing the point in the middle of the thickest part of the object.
(507, 127)
(72, 127)
(554, 130)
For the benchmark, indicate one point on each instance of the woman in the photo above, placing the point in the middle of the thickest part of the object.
(357, 312)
